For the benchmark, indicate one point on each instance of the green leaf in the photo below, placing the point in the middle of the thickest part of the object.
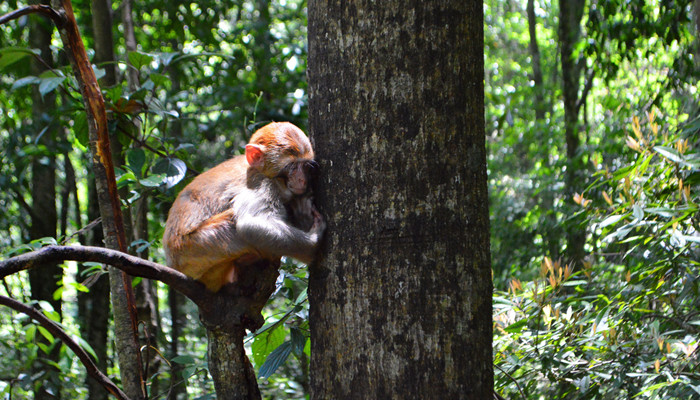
(264, 343)
(174, 170)
(30, 332)
(302, 296)
(135, 159)
(124, 177)
(27, 80)
(575, 283)
(662, 211)
(275, 360)
(183, 360)
(86, 346)
(154, 180)
(10, 55)
(159, 80)
(80, 129)
(48, 85)
(516, 326)
(298, 341)
(611, 220)
(45, 333)
(139, 59)
(99, 72)
(637, 211)
(79, 287)
(669, 153)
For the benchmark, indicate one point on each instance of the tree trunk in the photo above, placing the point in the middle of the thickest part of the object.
(401, 299)
(178, 386)
(534, 48)
(570, 14)
(44, 217)
(93, 307)
(226, 316)
(550, 233)
(233, 375)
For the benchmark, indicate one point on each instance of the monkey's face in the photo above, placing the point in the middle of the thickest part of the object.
(281, 152)
(295, 176)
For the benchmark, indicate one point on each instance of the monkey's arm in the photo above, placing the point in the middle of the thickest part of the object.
(270, 234)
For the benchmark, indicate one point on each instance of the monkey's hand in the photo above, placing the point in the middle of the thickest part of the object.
(302, 212)
(319, 225)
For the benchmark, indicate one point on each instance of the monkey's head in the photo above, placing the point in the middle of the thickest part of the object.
(282, 152)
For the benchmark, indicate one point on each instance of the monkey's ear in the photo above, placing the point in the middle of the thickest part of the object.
(254, 155)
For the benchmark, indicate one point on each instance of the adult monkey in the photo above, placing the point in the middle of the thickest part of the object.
(248, 208)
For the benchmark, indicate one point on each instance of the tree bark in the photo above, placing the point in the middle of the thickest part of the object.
(229, 366)
(178, 386)
(401, 299)
(570, 14)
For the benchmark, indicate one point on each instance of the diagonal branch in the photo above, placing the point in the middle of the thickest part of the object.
(58, 332)
(130, 264)
(42, 9)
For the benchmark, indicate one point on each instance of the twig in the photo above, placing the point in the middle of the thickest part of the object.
(58, 332)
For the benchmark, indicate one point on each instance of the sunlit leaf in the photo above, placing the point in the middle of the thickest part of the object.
(172, 168)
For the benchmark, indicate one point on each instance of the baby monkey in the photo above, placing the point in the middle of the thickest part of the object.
(251, 207)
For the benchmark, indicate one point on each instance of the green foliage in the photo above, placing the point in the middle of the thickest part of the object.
(285, 334)
(627, 324)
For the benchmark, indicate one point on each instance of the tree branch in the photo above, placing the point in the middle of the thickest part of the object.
(58, 332)
(42, 9)
(130, 264)
(587, 88)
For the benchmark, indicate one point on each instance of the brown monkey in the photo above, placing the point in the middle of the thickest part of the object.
(248, 208)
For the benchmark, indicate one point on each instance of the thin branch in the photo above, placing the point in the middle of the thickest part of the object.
(512, 379)
(58, 332)
(130, 264)
(42, 9)
(23, 203)
(587, 88)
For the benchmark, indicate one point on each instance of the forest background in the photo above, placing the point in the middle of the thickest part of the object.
(592, 133)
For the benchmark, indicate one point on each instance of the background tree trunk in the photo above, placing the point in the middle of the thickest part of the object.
(145, 291)
(551, 236)
(401, 301)
(44, 217)
(93, 307)
(570, 14)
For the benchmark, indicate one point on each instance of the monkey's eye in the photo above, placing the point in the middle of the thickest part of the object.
(311, 167)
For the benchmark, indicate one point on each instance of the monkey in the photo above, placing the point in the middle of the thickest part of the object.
(253, 206)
